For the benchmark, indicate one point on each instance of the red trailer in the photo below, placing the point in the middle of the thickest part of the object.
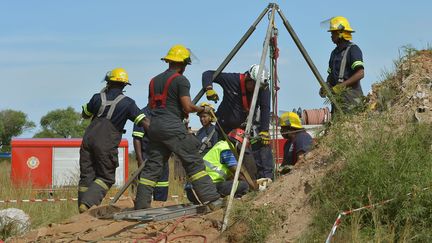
(48, 163)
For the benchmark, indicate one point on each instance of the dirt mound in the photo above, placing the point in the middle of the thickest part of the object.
(408, 90)
(288, 199)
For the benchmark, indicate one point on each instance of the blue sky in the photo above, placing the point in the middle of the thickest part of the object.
(55, 53)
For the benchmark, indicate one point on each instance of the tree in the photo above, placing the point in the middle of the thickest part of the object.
(62, 123)
(12, 123)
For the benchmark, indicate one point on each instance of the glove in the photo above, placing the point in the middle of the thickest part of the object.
(265, 138)
(338, 89)
(322, 91)
(212, 95)
(263, 183)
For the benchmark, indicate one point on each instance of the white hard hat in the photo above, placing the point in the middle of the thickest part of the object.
(253, 73)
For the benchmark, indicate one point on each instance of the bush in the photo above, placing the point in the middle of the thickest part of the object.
(257, 222)
(381, 159)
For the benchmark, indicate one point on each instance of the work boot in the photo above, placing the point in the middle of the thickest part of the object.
(215, 205)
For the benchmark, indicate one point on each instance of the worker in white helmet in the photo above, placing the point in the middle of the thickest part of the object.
(238, 89)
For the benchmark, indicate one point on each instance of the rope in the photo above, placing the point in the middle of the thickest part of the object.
(274, 55)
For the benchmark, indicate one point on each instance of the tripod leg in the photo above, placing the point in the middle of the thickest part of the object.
(233, 51)
(250, 115)
(127, 184)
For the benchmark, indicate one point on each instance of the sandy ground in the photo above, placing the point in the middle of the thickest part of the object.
(289, 194)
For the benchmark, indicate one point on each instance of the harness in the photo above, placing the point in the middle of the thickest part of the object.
(245, 103)
(159, 100)
(207, 143)
(111, 103)
(343, 63)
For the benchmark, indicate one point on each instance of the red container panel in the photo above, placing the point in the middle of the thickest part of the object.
(32, 159)
(32, 165)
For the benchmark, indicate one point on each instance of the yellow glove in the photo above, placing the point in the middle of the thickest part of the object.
(265, 138)
(212, 95)
(338, 89)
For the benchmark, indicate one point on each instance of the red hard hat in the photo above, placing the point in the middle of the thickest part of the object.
(237, 134)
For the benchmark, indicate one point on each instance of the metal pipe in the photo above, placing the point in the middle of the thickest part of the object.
(309, 60)
(233, 52)
(127, 184)
(250, 115)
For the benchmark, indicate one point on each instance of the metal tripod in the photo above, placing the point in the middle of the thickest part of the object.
(272, 8)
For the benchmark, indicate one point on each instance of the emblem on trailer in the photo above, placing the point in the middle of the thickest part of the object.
(33, 162)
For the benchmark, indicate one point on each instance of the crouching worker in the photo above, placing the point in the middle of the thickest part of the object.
(221, 165)
(109, 110)
(298, 143)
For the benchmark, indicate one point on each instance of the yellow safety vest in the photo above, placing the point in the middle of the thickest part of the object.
(217, 171)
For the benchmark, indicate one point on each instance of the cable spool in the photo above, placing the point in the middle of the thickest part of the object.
(316, 116)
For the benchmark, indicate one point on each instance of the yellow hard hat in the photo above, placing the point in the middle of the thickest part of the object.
(213, 119)
(178, 53)
(117, 75)
(340, 23)
(206, 104)
(290, 119)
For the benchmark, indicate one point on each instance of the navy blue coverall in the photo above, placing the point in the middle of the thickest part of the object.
(160, 192)
(234, 109)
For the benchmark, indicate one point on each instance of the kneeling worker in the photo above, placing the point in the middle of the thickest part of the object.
(221, 165)
(298, 143)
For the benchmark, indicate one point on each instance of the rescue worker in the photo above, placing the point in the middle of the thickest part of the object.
(169, 100)
(346, 67)
(298, 143)
(238, 90)
(109, 110)
(221, 165)
(141, 143)
(207, 134)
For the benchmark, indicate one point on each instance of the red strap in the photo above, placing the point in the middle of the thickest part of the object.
(159, 100)
(245, 103)
(152, 101)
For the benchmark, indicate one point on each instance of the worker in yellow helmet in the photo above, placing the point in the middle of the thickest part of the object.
(207, 134)
(298, 143)
(109, 110)
(170, 103)
(346, 67)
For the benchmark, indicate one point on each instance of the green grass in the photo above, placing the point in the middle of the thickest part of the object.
(258, 222)
(41, 213)
(379, 158)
